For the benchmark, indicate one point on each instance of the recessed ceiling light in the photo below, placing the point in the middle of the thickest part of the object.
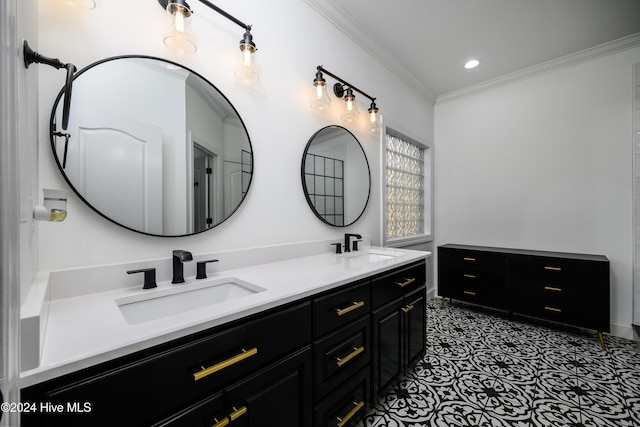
(472, 64)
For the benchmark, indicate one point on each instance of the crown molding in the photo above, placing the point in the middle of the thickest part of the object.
(566, 61)
(351, 29)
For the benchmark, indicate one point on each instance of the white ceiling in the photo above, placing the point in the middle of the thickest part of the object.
(428, 41)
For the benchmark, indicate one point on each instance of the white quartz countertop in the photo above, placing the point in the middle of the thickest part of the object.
(85, 330)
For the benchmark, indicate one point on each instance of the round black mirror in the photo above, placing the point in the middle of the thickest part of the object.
(153, 146)
(335, 176)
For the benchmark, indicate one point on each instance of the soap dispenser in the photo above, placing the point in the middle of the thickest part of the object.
(54, 207)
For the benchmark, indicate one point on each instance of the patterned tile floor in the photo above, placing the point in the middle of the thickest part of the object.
(482, 369)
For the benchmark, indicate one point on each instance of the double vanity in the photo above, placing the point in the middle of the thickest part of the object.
(307, 341)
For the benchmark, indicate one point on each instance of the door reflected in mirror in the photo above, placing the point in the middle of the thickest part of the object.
(153, 146)
(335, 176)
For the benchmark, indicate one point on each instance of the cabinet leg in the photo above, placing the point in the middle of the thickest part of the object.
(604, 347)
(442, 303)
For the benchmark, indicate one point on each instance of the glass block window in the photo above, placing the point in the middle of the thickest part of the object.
(405, 187)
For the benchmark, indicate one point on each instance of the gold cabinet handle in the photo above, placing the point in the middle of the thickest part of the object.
(344, 420)
(408, 308)
(469, 292)
(356, 351)
(237, 413)
(222, 423)
(224, 364)
(469, 276)
(547, 267)
(557, 310)
(406, 282)
(354, 305)
(551, 288)
(468, 259)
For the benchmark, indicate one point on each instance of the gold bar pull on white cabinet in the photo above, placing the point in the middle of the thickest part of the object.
(406, 282)
(354, 305)
(344, 420)
(225, 364)
(356, 351)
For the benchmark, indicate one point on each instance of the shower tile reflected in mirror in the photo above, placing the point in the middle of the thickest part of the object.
(325, 184)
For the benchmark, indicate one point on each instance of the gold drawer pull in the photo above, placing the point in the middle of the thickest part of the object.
(469, 276)
(408, 308)
(222, 423)
(469, 292)
(406, 282)
(237, 413)
(344, 420)
(468, 259)
(557, 310)
(224, 364)
(356, 351)
(354, 305)
(552, 268)
(551, 288)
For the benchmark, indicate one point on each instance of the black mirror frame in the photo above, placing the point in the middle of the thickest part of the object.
(53, 130)
(302, 177)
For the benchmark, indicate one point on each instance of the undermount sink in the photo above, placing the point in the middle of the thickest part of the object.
(159, 303)
(374, 255)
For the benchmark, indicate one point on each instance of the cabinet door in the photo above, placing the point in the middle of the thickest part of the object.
(278, 396)
(415, 313)
(387, 345)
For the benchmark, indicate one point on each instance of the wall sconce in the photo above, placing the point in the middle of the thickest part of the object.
(179, 38)
(55, 206)
(319, 99)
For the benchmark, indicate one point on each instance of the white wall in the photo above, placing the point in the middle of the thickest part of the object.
(543, 163)
(292, 40)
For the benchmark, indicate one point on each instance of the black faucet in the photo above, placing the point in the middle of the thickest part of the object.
(347, 241)
(180, 256)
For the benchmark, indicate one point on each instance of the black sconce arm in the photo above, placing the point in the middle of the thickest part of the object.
(339, 91)
(225, 14)
(30, 56)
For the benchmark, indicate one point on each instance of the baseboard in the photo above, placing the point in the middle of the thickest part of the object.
(625, 331)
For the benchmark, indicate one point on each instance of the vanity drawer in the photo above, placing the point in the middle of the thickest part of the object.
(341, 307)
(338, 355)
(347, 404)
(473, 277)
(390, 286)
(555, 268)
(471, 260)
(175, 376)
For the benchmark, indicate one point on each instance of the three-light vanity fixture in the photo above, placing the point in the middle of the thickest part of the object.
(179, 38)
(320, 99)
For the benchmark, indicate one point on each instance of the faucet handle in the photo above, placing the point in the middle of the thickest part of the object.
(149, 277)
(201, 268)
(338, 247)
(355, 244)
